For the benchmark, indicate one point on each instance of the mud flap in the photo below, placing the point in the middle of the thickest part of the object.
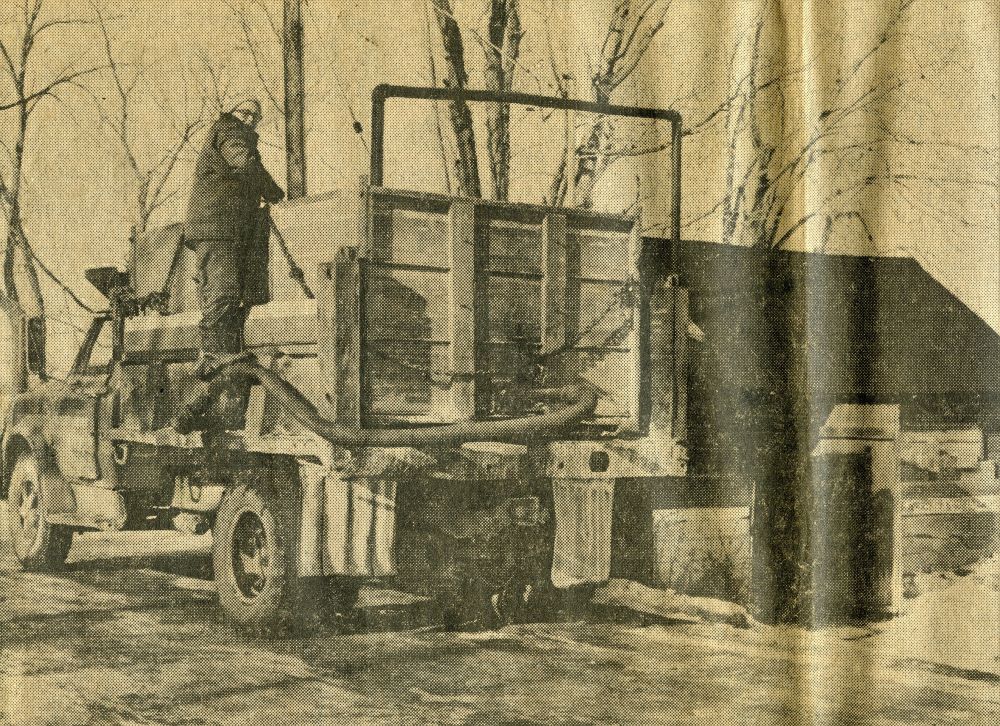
(348, 525)
(582, 549)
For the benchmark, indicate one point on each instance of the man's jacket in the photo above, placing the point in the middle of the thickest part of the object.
(228, 185)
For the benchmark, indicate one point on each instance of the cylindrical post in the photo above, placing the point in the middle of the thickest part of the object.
(675, 198)
(295, 134)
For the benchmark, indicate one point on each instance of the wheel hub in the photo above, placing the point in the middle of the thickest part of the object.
(251, 554)
(28, 513)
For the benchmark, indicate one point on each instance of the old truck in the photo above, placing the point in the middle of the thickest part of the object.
(449, 395)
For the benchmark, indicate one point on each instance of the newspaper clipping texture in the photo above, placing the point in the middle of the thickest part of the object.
(500, 362)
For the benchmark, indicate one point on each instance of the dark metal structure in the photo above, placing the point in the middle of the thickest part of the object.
(385, 92)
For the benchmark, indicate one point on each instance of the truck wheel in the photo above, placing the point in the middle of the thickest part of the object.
(38, 545)
(253, 556)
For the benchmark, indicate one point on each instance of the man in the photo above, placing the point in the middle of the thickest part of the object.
(224, 228)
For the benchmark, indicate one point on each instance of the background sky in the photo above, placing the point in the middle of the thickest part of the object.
(76, 202)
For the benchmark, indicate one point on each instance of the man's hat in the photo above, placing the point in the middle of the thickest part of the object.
(250, 106)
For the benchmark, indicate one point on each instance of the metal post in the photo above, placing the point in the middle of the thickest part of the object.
(675, 200)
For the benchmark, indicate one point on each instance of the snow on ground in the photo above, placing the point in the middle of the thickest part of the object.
(130, 634)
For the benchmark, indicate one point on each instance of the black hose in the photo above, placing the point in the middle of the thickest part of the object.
(582, 401)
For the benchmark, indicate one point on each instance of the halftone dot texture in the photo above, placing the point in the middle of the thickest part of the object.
(839, 418)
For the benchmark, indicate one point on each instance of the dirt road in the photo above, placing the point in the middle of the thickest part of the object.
(130, 634)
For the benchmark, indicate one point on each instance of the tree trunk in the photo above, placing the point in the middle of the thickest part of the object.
(590, 158)
(501, 58)
(34, 307)
(461, 117)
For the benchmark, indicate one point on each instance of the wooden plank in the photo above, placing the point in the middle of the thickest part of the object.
(349, 294)
(680, 365)
(553, 324)
(461, 284)
(603, 320)
(326, 316)
(408, 304)
(514, 211)
(405, 236)
(637, 378)
(602, 254)
(514, 306)
(515, 248)
(409, 378)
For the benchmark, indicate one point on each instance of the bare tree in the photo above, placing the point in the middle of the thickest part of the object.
(438, 125)
(501, 63)
(783, 170)
(28, 86)
(261, 30)
(150, 171)
(467, 161)
(212, 81)
(770, 160)
(263, 38)
(632, 28)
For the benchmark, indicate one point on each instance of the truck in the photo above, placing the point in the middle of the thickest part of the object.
(452, 396)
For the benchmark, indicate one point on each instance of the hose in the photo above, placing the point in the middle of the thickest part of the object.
(582, 401)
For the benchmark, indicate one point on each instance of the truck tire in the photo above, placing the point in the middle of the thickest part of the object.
(254, 557)
(37, 544)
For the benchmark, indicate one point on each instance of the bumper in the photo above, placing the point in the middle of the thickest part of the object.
(564, 492)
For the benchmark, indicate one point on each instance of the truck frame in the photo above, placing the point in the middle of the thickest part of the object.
(451, 401)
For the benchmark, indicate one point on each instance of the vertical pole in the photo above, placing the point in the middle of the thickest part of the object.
(675, 200)
(295, 134)
(377, 133)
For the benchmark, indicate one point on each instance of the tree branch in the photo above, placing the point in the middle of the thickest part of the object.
(244, 23)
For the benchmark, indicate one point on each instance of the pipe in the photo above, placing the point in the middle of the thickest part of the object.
(582, 399)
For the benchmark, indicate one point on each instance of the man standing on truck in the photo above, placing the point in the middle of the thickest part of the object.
(229, 230)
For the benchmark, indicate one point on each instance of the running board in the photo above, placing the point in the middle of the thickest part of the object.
(93, 507)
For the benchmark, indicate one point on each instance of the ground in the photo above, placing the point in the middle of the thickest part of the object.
(130, 634)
